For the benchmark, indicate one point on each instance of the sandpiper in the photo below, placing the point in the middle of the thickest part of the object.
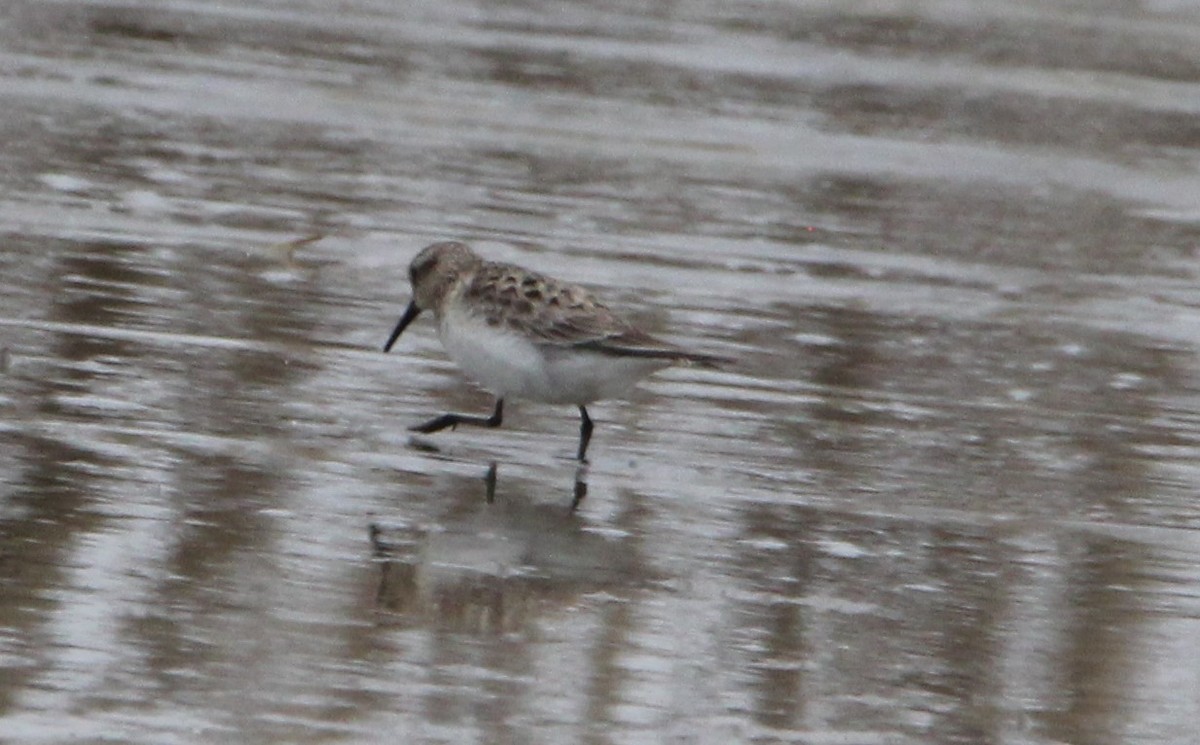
(524, 335)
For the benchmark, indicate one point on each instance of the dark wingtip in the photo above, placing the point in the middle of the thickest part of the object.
(668, 354)
(708, 361)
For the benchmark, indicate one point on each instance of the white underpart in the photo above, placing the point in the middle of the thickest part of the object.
(510, 365)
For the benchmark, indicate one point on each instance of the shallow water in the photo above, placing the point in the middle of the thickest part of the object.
(948, 493)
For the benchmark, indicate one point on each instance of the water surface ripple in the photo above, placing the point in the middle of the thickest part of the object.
(947, 495)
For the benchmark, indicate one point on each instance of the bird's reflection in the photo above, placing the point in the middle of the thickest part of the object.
(579, 491)
(492, 564)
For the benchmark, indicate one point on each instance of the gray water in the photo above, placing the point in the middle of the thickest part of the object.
(948, 493)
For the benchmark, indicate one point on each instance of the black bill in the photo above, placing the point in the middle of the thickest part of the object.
(411, 312)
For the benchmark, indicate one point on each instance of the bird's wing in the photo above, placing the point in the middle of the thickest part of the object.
(559, 314)
(548, 311)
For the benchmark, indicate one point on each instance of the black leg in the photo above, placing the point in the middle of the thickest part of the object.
(585, 432)
(437, 424)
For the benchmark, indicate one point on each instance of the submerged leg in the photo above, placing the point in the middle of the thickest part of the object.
(489, 480)
(453, 420)
(585, 432)
(580, 486)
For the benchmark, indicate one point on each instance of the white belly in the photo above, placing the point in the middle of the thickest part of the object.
(511, 366)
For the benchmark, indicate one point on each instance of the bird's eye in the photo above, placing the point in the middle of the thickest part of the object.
(418, 271)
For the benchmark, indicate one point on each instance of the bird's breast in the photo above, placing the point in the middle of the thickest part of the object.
(505, 362)
(511, 364)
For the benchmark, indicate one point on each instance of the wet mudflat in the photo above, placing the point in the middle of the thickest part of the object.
(949, 493)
